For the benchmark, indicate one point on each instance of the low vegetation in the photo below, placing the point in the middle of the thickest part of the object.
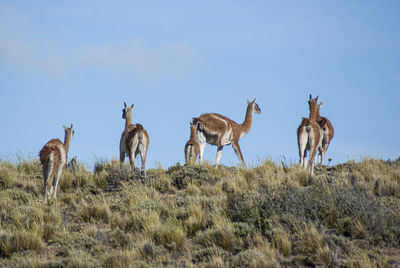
(271, 215)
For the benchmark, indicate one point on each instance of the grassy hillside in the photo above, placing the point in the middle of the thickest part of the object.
(191, 216)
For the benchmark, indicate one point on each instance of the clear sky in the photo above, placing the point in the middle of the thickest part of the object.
(64, 62)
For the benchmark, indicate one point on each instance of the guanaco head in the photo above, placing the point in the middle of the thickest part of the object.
(193, 126)
(313, 101)
(253, 105)
(313, 106)
(322, 122)
(69, 132)
(319, 108)
(127, 111)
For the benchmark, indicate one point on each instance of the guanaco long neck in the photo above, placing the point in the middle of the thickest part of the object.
(318, 113)
(248, 120)
(313, 111)
(67, 141)
(128, 119)
(193, 132)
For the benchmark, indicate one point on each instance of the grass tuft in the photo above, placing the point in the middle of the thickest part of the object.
(19, 241)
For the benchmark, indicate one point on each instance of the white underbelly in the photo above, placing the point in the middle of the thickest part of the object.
(212, 137)
(227, 138)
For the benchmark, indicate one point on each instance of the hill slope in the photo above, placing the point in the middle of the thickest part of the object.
(267, 216)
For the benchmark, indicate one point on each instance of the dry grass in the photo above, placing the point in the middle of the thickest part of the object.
(198, 216)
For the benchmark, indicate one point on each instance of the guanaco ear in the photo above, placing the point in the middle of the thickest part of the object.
(71, 126)
(247, 100)
(317, 98)
(310, 96)
(132, 105)
(254, 100)
(64, 127)
(125, 104)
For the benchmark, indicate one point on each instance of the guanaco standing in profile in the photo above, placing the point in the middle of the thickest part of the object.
(219, 130)
(53, 157)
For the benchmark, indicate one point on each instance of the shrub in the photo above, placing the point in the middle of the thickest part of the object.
(243, 207)
(282, 242)
(129, 222)
(80, 258)
(196, 174)
(252, 258)
(222, 234)
(119, 259)
(197, 220)
(30, 167)
(7, 175)
(147, 250)
(339, 207)
(169, 235)
(16, 195)
(27, 218)
(209, 254)
(310, 242)
(94, 210)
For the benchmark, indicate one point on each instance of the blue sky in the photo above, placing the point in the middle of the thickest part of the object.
(65, 62)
